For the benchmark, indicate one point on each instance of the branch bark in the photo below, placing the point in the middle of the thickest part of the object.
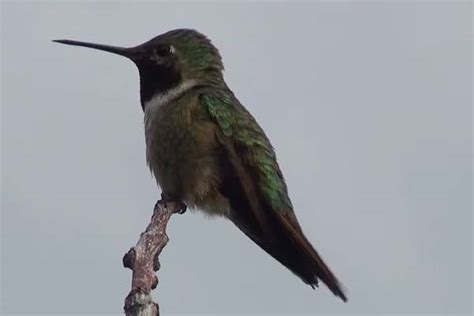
(143, 261)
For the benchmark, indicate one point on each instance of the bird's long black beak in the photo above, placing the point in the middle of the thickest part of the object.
(122, 51)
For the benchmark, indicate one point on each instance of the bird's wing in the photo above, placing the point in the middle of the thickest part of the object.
(256, 189)
(244, 137)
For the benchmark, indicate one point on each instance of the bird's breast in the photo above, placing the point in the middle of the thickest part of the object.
(167, 135)
(181, 151)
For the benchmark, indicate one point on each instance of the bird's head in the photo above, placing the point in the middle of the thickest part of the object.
(169, 60)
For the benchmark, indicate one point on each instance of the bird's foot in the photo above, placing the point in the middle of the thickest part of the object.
(165, 199)
(182, 207)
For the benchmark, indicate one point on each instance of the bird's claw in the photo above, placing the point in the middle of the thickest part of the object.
(182, 208)
(165, 199)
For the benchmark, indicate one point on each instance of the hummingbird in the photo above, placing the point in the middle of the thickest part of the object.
(206, 150)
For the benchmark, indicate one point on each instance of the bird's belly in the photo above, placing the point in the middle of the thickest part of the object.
(182, 157)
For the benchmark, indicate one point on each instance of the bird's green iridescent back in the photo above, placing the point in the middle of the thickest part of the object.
(251, 143)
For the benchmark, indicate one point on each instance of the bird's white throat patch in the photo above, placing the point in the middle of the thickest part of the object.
(163, 98)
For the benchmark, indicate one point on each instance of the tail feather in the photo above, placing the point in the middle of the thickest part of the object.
(289, 246)
(309, 264)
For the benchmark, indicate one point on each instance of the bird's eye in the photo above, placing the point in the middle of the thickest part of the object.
(164, 50)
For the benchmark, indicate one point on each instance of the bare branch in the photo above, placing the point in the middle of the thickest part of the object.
(143, 261)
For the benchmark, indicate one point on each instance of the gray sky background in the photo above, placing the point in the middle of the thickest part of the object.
(367, 104)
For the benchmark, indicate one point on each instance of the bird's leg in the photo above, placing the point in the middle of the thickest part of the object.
(165, 199)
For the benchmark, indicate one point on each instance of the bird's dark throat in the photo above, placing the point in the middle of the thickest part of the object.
(156, 79)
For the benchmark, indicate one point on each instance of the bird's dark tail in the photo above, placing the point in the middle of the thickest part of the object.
(294, 251)
(284, 240)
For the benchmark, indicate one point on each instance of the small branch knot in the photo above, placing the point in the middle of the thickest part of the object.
(156, 264)
(154, 284)
(128, 259)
